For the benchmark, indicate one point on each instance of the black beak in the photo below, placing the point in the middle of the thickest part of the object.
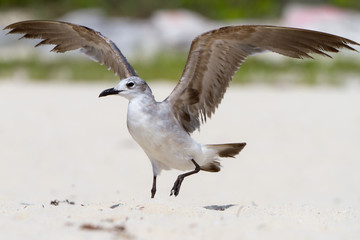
(110, 91)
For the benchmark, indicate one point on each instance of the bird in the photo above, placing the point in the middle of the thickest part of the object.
(163, 129)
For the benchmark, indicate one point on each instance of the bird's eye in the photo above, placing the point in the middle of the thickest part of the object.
(130, 84)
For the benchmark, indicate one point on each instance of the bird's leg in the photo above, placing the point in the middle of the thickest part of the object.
(176, 188)
(153, 189)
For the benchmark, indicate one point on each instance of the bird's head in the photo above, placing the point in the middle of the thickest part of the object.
(129, 88)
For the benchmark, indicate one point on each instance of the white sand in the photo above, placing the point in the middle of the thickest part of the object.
(298, 177)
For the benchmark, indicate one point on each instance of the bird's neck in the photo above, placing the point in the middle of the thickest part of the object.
(140, 110)
(142, 101)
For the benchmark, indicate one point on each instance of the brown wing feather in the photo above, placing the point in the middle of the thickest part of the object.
(217, 55)
(67, 37)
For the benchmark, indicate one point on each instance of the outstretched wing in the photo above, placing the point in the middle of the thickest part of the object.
(216, 56)
(67, 37)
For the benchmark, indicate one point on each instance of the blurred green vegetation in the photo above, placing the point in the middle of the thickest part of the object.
(215, 9)
(170, 66)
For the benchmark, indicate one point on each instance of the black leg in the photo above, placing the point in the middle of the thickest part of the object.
(176, 188)
(153, 189)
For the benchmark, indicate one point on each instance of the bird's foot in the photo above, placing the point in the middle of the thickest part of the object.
(176, 188)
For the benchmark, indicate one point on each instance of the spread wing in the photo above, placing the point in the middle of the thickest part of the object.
(216, 56)
(67, 37)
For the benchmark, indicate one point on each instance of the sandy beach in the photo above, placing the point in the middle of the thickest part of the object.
(70, 170)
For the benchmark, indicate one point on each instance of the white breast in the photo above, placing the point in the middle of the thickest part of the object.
(155, 129)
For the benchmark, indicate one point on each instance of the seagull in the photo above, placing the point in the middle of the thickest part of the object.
(163, 129)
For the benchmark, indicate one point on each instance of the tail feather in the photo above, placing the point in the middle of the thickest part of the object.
(222, 150)
(213, 166)
(228, 149)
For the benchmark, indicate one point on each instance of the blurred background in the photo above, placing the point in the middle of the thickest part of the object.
(302, 127)
(156, 35)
